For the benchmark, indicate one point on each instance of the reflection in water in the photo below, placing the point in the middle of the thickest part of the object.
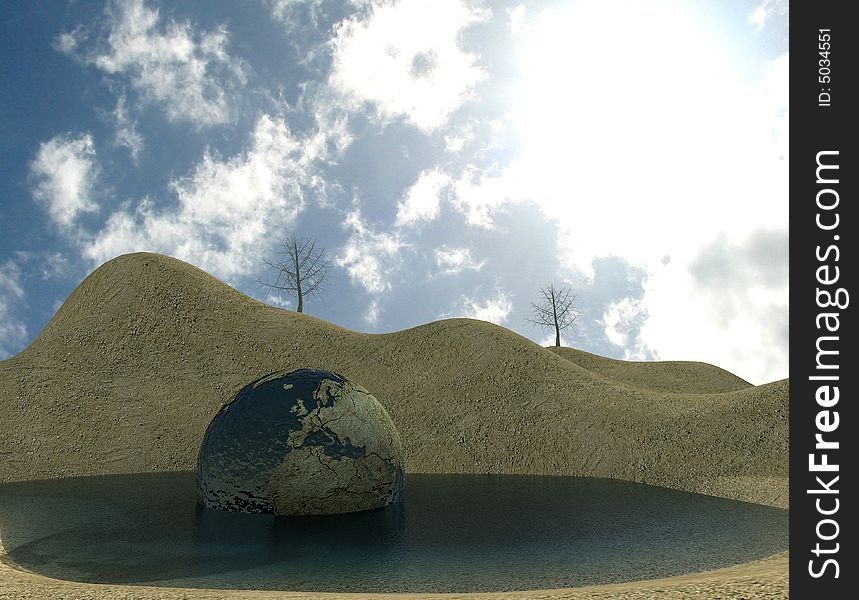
(451, 533)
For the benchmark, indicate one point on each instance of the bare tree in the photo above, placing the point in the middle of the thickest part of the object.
(300, 268)
(556, 310)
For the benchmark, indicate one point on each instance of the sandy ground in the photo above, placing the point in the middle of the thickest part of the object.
(127, 375)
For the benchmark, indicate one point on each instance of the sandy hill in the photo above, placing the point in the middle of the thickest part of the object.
(682, 377)
(130, 370)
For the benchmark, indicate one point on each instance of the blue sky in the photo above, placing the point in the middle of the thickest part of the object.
(452, 156)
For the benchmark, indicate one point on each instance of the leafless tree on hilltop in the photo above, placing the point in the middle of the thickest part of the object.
(300, 269)
(556, 311)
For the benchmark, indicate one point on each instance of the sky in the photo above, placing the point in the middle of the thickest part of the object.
(453, 157)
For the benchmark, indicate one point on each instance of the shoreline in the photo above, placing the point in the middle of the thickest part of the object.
(763, 578)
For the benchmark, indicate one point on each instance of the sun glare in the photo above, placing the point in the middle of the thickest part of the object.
(624, 108)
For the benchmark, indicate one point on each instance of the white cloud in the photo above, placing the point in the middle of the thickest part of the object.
(374, 311)
(765, 11)
(186, 72)
(491, 133)
(278, 300)
(126, 134)
(68, 42)
(727, 305)
(549, 340)
(621, 322)
(775, 98)
(332, 135)
(517, 20)
(405, 59)
(369, 256)
(326, 143)
(421, 201)
(690, 328)
(282, 9)
(294, 13)
(13, 333)
(51, 264)
(758, 17)
(225, 207)
(454, 144)
(478, 195)
(64, 172)
(456, 260)
(55, 265)
(495, 309)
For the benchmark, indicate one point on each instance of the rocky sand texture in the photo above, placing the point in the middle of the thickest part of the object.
(134, 365)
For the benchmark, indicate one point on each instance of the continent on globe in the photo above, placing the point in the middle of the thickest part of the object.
(304, 442)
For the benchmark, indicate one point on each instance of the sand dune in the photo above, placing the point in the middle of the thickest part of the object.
(130, 370)
(681, 377)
